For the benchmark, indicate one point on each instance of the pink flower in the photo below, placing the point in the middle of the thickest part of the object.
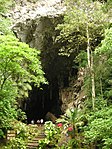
(70, 128)
(60, 125)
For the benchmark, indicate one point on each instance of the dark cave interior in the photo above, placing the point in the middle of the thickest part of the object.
(42, 101)
(46, 98)
(57, 68)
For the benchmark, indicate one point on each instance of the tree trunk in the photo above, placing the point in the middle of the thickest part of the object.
(88, 48)
(90, 67)
(93, 82)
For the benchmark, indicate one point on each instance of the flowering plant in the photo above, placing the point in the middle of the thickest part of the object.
(59, 124)
(70, 129)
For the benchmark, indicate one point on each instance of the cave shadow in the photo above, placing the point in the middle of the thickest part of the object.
(43, 100)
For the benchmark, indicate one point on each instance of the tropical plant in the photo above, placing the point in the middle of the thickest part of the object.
(8, 108)
(104, 53)
(53, 135)
(19, 64)
(73, 121)
(99, 129)
(82, 30)
(20, 67)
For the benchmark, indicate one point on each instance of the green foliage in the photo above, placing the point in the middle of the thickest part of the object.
(99, 129)
(5, 23)
(106, 45)
(78, 16)
(93, 130)
(21, 115)
(103, 71)
(16, 143)
(9, 111)
(23, 134)
(81, 59)
(8, 108)
(53, 135)
(72, 117)
(19, 64)
(82, 31)
(69, 117)
(24, 131)
(4, 26)
(4, 5)
(100, 103)
(73, 121)
(72, 143)
(50, 130)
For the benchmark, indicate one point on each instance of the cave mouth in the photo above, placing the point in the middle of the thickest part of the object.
(47, 98)
(43, 100)
(57, 68)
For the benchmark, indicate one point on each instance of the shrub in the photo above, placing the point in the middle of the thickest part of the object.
(53, 134)
(99, 129)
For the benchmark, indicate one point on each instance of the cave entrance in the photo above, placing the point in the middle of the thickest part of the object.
(42, 101)
(47, 99)
(41, 34)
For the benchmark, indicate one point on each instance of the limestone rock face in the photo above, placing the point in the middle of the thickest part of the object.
(34, 23)
(74, 95)
(24, 10)
(33, 19)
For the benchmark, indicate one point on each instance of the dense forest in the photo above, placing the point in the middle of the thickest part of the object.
(84, 38)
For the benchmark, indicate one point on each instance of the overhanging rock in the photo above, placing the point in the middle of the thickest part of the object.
(27, 19)
(34, 24)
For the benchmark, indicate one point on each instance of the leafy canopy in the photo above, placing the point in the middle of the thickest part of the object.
(8, 108)
(104, 53)
(20, 66)
(4, 5)
(73, 31)
(19, 63)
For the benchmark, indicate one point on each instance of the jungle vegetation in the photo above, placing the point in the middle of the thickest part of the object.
(86, 33)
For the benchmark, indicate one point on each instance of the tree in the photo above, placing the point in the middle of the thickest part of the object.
(20, 67)
(5, 23)
(19, 63)
(82, 30)
(8, 108)
(4, 5)
(104, 54)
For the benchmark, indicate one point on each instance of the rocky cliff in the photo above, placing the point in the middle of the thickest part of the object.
(28, 18)
(34, 23)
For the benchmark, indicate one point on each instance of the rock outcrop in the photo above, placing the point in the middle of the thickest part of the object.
(34, 23)
(31, 19)
(24, 9)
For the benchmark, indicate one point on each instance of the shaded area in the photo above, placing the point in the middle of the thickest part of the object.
(58, 68)
(42, 101)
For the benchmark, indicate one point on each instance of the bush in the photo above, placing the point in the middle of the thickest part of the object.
(8, 108)
(23, 134)
(53, 134)
(20, 67)
(99, 129)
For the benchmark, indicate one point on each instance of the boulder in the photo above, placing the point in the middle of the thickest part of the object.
(50, 117)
